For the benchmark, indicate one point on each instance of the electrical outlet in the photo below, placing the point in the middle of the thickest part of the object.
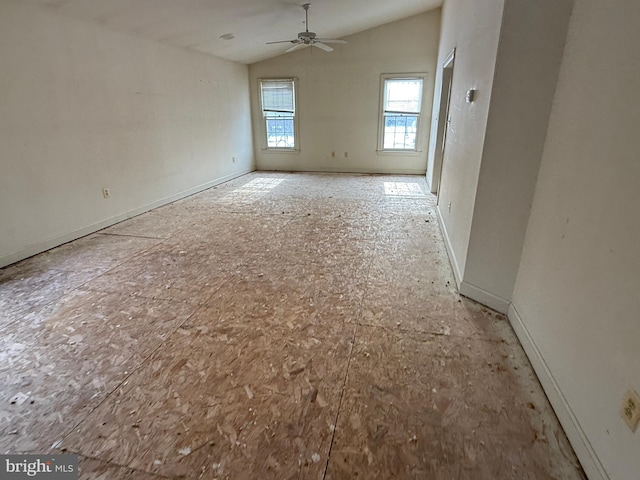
(449, 206)
(333, 154)
(630, 410)
(106, 193)
(233, 159)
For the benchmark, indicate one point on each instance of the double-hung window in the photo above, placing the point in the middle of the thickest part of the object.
(400, 116)
(278, 100)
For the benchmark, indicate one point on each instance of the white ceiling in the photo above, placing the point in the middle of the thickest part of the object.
(198, 24)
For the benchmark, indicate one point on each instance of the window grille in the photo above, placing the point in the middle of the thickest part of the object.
(279, 110)
(402, 103)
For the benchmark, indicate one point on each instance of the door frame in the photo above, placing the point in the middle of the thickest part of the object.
(443, 120)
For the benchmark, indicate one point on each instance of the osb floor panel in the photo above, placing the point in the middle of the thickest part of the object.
(278, 326)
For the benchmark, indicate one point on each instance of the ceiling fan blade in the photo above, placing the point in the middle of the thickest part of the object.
(297, 46)
(331, 40)
(283, 41)
(307, 38)
(322, 46)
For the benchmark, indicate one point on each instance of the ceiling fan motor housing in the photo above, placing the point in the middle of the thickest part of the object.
(307, 36)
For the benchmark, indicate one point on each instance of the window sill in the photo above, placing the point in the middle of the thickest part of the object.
(280, 150)
(399, 152)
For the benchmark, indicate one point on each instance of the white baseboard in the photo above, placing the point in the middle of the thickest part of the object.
(588, 459)
(327, 169)
(427, 179)
(447, 243)
(498, 304)
(47, 244)
(468, 290)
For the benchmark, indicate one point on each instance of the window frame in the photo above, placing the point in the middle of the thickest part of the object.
(263, 122)
(381, 111)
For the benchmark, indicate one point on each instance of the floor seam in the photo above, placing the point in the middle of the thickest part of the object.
(290, 287)
(109, 462)
(126, 379)
(353, 345)
(113, 234)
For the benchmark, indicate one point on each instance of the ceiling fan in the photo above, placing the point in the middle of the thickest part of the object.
(309, 39)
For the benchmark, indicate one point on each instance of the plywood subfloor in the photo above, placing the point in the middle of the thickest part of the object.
(278, 326)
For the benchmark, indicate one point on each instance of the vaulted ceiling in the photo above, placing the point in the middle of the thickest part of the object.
(200, 24)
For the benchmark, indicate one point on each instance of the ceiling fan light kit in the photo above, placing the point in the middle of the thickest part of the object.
(309, 39)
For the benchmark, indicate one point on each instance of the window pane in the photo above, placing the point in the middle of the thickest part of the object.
(278, 109)
(400, 132)
(280, 132)
(401, 105)
(277, 97)
(403, 95)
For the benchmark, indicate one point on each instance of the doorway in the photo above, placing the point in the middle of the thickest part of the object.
(444, 120)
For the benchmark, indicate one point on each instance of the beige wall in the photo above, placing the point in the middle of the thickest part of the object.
(576, 302)
(83, 108)
(530, 50)
(339, 98)
(510, 54)
(473, 29)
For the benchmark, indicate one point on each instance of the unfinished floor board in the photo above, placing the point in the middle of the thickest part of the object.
(421, 406)
(85, 319)
(24, 287)
(332, 235)
(61, 361)
(277, 326)
(266, 301)
(160, 223)
(433, 270)
(224, 232)
(420, 308)
(170, 272)
(99, 470)
(97, 252)
(223, 398)
(36, 281)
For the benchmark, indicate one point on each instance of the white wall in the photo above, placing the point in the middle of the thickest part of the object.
(83, 108)
(530, 50)
(473, 28)
(339, 98)
(509, 53)
(576, 301)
